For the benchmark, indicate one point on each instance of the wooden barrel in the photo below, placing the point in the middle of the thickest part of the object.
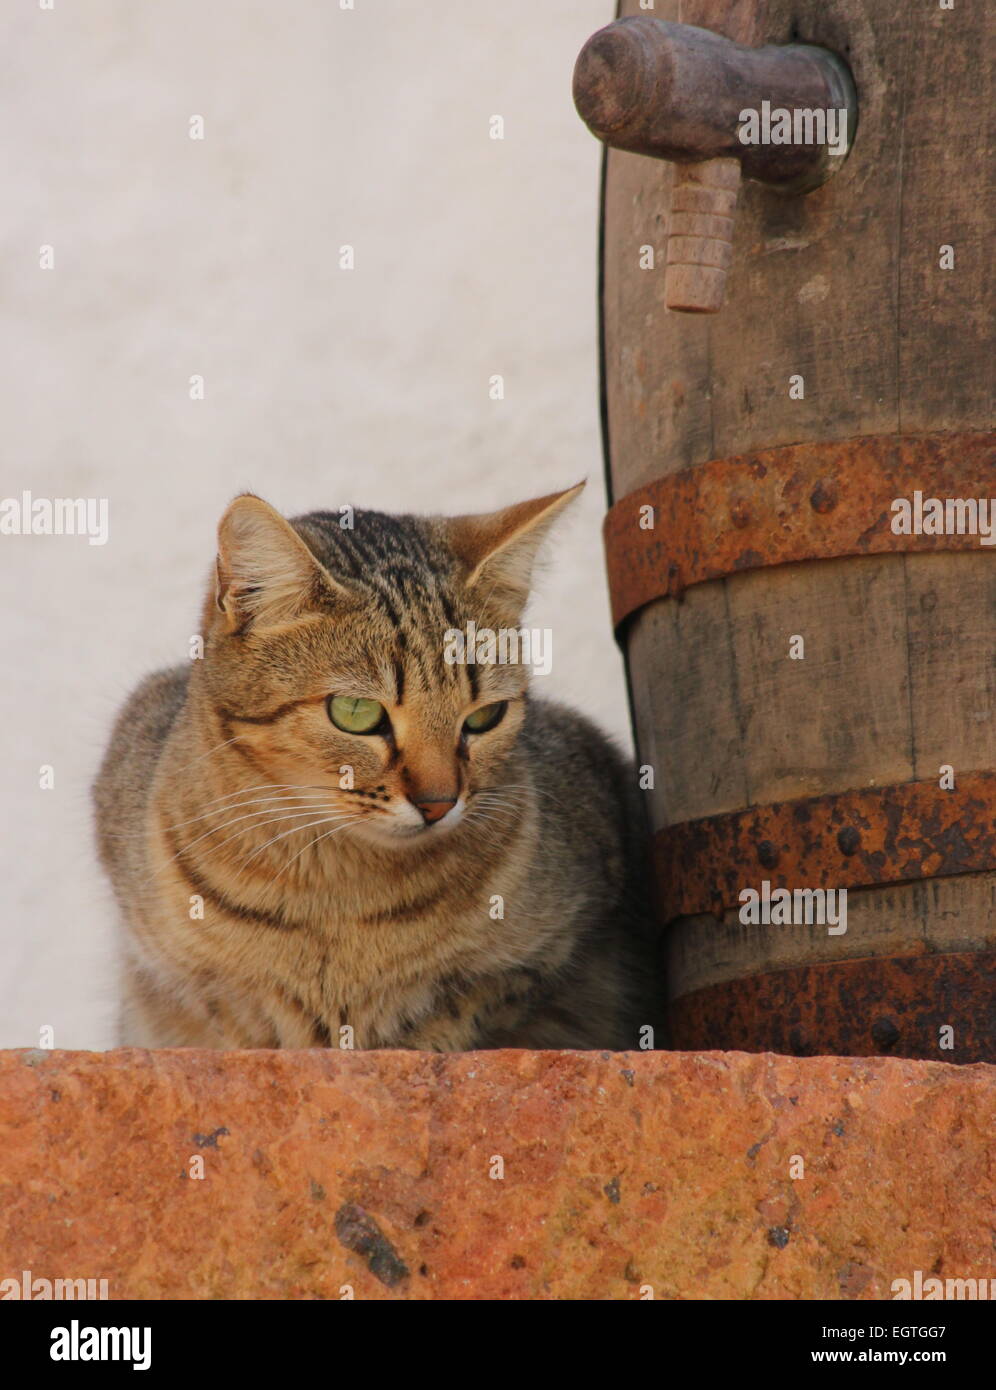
(814, 691)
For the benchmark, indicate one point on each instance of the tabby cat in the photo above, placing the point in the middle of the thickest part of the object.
(324, 833)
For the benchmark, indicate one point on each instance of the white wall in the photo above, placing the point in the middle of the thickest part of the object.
(220, 257)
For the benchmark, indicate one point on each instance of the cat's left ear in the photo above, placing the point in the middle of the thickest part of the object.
(498, 549)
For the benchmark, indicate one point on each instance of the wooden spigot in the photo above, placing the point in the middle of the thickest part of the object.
(676, 92)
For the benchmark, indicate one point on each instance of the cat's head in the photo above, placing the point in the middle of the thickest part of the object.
(331, 658)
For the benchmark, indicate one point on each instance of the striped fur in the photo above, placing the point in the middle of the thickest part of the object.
(268, 902)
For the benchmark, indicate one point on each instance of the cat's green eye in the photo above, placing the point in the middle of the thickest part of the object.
(485, 718)
(356, 716)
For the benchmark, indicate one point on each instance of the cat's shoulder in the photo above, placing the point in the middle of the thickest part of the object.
(121, 787)
(146, 717)
(555, 730)
(155, 702)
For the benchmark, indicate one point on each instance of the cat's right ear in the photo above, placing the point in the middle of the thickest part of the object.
(266, 573)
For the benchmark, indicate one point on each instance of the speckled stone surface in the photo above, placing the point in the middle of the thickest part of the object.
(499, 1175)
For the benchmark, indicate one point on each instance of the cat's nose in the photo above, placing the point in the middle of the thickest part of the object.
(434, 810)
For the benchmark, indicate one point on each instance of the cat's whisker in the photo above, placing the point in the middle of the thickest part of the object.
(494, 803)
(211, 751)
(185, 849)
(495, 806)
(500, 816)
(315, 842)
(255, 801)
(235, 806)
(488, 821)
(478, 815)
(268, 786)
(352, 821)
(528, 787)
(260, 825)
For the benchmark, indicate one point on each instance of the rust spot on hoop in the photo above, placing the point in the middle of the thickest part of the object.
(892, 1006)
(782, 506)
(853, 839)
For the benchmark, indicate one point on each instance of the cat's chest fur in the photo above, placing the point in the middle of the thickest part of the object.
(347, 956)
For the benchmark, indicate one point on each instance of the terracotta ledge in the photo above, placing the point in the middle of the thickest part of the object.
(371, 1170)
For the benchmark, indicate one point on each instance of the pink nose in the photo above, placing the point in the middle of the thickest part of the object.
(434, 810)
